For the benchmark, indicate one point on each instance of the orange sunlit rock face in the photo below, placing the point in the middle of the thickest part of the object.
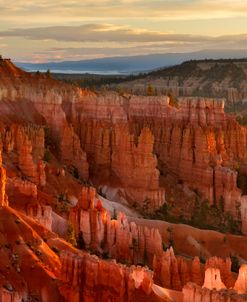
(82, 177)
(136, 166)
(116, 238)
(3, 196)
(197, 142)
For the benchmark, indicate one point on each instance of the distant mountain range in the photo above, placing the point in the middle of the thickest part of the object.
(130, 64)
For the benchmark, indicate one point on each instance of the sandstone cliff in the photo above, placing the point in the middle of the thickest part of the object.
(135, 165)
(197, 142)
(3, 195)
(90, 279)
(114, 238)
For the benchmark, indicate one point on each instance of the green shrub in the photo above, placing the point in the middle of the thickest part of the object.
(235, 264)
(202, 260)
(80, 241)
(47, 156)
(55, 250)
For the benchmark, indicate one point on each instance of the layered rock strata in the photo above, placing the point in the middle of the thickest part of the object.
(90, 279)
(3, 196)
(116, 238)
(197, 141)
(194, 293)
(135, 165)
(72, 154)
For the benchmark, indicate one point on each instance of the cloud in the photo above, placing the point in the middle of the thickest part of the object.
(98, 33)
(71, 53)
(97, 51)
(79, 10)
(81, 29)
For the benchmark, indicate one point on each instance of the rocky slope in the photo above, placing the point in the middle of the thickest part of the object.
(207, 78)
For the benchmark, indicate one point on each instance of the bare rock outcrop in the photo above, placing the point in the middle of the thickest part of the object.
(213, 279)
(197, 141)
(42, 214)
(194, 293)
(224, 266)
(3, 196)
(35, 172)
(116, 238)
(88, 278)
(243, 212)
(241, 283)
(71, 152)
(135, 165)
(174, 272)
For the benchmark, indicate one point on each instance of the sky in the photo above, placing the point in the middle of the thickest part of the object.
(58, 30)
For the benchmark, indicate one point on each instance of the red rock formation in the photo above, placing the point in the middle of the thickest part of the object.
(89, 279)
(202, 111)
(243, 211)
(41, 173)
(213, 279)
(35, 135)
(224, 265)
(166, 270)
(196, 271)
(87, 197)
(15, 135)
(175, 272)
(241, 283)
(97, 144)
(23, 186)
(45, 98)
(204, 140)
(119, 239)
(34, 172)
(71, 152)
(29, 266)
(135, 165)
(3, 196)
(194, 293)
(125, 136)
(42, 214)
(196, 139)
(80, 216)
(26, 164)
(9, 296)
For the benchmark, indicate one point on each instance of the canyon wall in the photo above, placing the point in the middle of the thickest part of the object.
(88, 278)
(38, 100)
(135, 166)
(194, 293)
(3, 196)
(130, 243)
(114, 238)
(197, 141)
(72, 154)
